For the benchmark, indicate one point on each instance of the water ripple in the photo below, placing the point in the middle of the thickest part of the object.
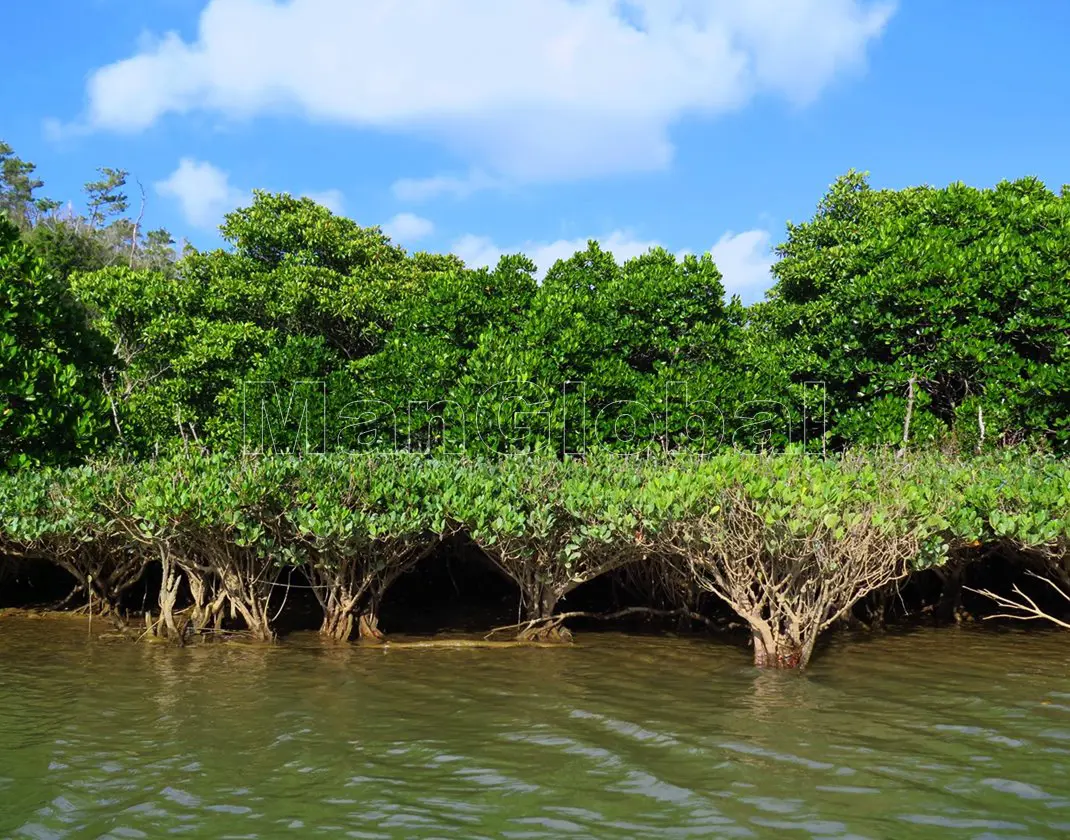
(929, 734)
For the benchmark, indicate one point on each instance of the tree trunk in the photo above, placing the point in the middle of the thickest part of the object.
(165, 626)
(338, 599)
(340, 618)
(248, 594)
(256, 620)
(337, 623)
(541, 603)
(207, 606)
(770, 652)
(368, 624)
(168, 594)
(253, 611)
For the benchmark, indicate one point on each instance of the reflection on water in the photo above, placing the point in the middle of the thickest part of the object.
(943, 733)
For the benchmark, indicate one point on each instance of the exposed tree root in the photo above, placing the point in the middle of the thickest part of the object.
(552, 629)
(368, 626)
(105, 567)
(543, 580)
(790, 586)
(350, 581)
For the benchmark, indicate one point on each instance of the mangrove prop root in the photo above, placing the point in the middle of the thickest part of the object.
(105, 567)
(552, 628)
(778, 655)
(165, 627)
(337, 625)
(548, 630)
(542, 580)
(208, 606)
(368, 627)
(349, 581)
(789, 588)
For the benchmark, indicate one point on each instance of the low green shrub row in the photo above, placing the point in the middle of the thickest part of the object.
(791, 542)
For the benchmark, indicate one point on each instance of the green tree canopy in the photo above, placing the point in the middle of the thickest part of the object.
(959, 290)
(52, 409)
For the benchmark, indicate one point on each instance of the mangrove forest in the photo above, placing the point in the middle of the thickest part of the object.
(199, 443)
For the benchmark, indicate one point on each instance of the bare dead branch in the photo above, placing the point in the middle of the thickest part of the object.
(1027, 608)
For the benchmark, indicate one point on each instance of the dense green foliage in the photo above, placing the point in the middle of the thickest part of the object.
(57, 372)
(822, 532)
(923, 320)
(963, 291)
(310, 312)
(53, 408)
(926, 316)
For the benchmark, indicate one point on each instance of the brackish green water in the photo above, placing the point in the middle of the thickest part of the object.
(937, 733)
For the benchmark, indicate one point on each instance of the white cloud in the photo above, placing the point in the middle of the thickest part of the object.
(203, 191)
(526, 89)
(408, 227)
(477, 251)
(744, 259)
(424, 189)
(333, 200)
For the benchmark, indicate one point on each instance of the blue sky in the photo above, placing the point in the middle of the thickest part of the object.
(483, 126)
